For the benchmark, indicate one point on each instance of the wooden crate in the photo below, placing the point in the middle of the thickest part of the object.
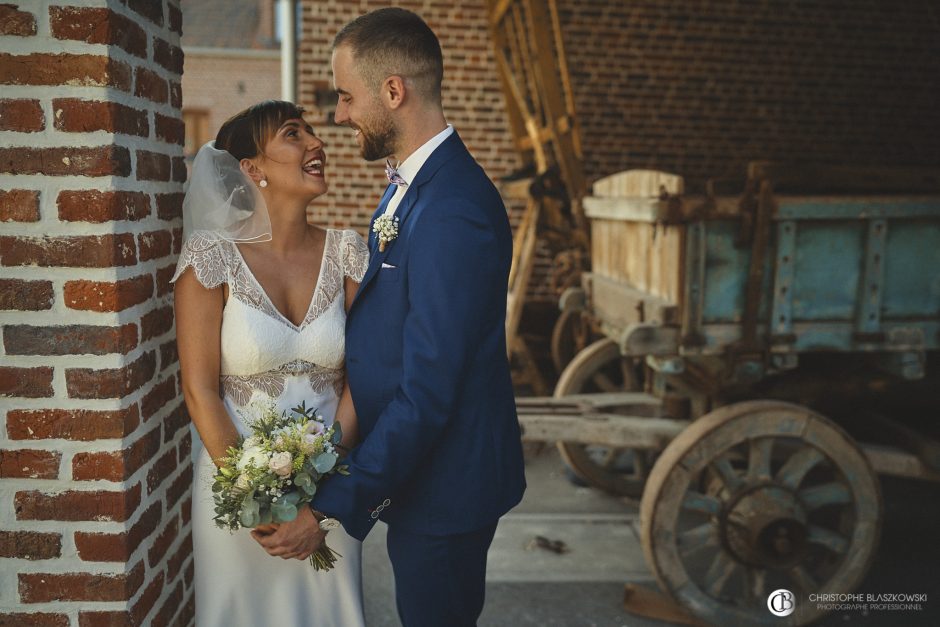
(630, 242)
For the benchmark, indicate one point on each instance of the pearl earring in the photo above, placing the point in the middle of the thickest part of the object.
(263, 183)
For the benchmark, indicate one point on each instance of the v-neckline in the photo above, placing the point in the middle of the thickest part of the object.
(313, 296)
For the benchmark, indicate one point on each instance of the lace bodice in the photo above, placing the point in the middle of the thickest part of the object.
(262, 351)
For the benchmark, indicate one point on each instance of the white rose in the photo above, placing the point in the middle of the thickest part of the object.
(314, 427)
(281, 463)
(242, 482)
(253, 455)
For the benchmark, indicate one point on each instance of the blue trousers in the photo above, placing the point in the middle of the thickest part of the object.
(440, 581)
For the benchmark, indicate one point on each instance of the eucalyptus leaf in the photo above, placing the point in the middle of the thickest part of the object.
(291, 497)
(325, 462)
(250, 512)
(266, 517)
(283, 512)
(337, 433)
(302, 479)
(249, 517)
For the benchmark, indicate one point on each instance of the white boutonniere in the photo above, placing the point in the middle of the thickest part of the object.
(386, 227)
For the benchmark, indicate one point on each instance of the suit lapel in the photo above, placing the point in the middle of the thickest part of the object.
(373, 240)
(451, 147)
(386, 198)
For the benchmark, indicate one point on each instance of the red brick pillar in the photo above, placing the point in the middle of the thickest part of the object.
(94, 449)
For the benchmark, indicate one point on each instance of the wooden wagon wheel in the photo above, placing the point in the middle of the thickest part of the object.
(619, 470)
(570, 335)
(755, 497)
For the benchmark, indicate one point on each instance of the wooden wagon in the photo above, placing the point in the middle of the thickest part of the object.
(741, 339)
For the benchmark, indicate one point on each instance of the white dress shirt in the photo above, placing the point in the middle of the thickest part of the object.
(409, 169)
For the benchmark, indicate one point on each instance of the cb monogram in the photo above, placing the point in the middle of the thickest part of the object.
(781, 602)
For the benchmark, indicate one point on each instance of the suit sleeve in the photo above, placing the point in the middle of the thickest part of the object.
(456, 277)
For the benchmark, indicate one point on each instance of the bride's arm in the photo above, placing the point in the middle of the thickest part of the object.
(198, 338)
(345, 410)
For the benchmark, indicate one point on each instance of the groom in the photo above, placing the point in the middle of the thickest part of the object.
(440, 459)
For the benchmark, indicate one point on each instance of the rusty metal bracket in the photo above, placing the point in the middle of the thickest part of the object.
(781, 318)
(694, 296)
(868, 316)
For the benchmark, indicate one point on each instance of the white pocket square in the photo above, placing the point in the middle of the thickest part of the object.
(388, 265)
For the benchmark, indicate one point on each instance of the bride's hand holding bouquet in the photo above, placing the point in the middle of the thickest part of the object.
(268, 476)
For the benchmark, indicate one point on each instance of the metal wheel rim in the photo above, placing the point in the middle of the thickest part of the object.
(668, 495)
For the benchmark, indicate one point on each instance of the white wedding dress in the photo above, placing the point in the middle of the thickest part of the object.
(264, 356)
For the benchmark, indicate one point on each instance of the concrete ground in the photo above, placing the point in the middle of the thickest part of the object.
(528, 586)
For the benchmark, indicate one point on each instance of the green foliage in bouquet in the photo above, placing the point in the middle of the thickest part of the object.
(273, 472)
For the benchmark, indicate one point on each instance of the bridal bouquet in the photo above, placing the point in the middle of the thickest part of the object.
(269, 475)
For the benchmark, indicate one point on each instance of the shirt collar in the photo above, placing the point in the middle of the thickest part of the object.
(410, 167)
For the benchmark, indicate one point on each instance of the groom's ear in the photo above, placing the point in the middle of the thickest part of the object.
(393, 92)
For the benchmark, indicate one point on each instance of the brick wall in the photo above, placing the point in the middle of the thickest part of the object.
(473, 101)
(94, 449)
(701, 88)
(224, 82)
(694, 88)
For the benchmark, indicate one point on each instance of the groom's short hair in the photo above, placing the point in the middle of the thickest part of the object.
(394, 41)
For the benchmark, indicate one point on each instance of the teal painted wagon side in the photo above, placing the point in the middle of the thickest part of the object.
(840, 274)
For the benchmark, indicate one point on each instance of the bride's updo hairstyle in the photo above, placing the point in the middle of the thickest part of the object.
(245, 134)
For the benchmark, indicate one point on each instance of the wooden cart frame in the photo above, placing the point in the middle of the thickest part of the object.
(698, 302)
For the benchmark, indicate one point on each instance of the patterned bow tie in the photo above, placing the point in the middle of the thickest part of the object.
(393, 175)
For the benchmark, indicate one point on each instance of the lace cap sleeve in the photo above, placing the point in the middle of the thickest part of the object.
(203, 252)
(355, 255)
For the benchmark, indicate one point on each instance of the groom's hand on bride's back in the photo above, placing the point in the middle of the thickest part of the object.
(297, 539)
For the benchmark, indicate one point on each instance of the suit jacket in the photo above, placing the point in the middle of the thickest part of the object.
(426, 359)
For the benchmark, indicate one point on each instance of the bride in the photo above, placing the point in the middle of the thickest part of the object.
(261, 300)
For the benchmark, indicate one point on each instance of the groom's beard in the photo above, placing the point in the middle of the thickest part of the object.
(379, 140)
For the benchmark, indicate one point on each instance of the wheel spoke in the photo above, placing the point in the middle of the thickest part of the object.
(755, 581)
(758, 459)
(796, 468)
(640, 468)
(726, 471)
(603, 382)
(833, 493)
(697, 538)
(718, 574)
(610, 456)
(827, 538)
(626, 374)
(803, 579)
(698, 502)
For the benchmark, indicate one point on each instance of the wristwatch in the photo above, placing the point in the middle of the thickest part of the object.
(329, 524)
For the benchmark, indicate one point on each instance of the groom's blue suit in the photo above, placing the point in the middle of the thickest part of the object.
(440, 459)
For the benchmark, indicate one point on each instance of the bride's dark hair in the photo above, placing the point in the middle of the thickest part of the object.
(245, 134)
